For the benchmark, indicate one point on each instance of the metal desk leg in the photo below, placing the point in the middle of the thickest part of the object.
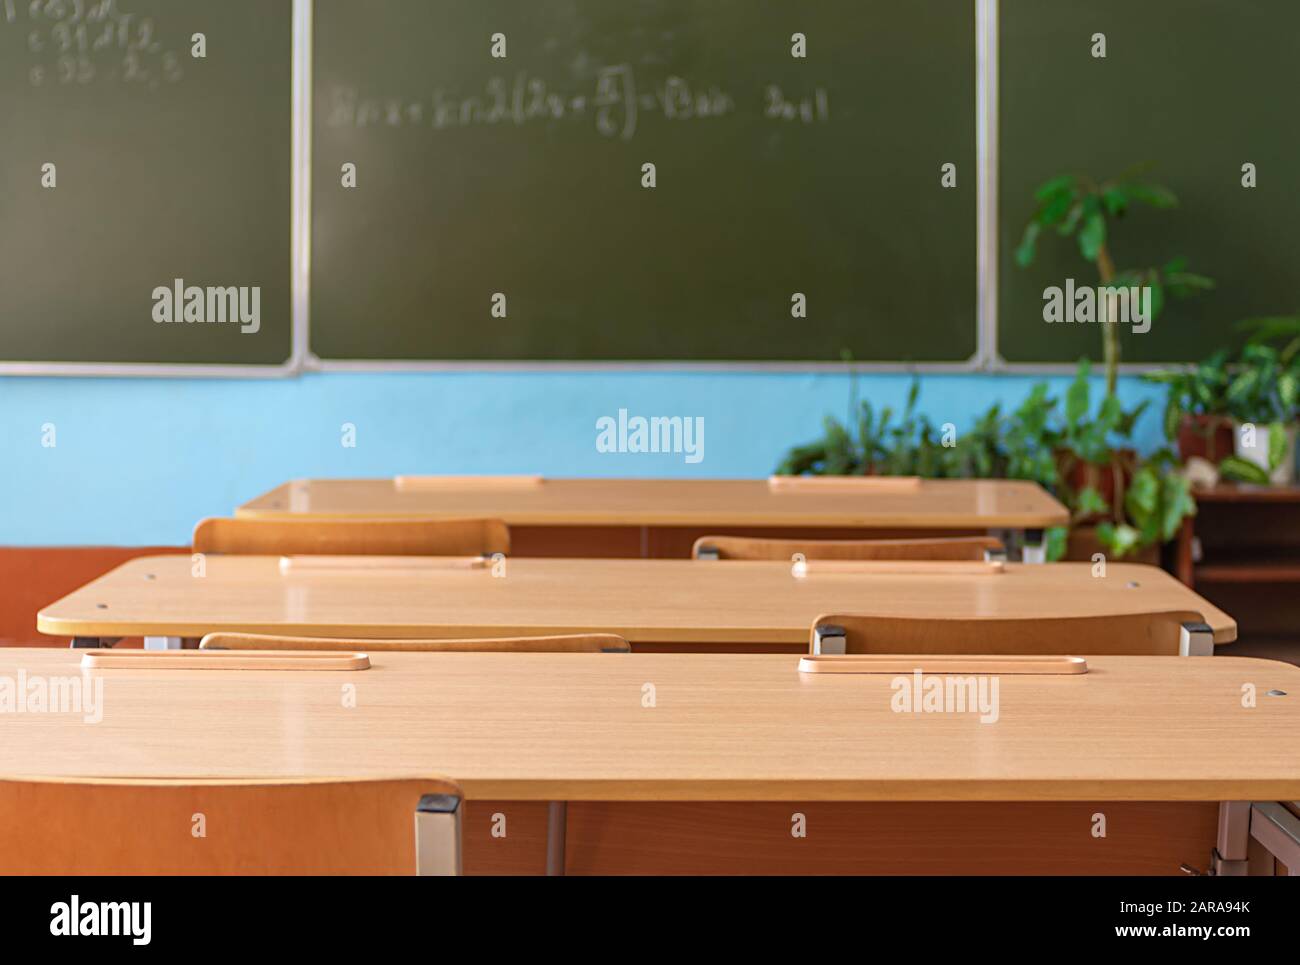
(1196, 640)
(1230, 857)
(438, 835)
(1033, 548)
(1278, 830)
(557, 818)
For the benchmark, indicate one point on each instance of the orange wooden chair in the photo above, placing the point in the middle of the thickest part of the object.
(235, 827)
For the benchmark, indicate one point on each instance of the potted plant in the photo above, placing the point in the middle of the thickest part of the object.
(1029, 451)
(1136, 506)
(838, 452)
(1086, 459)
(1263, 397)
(1018, 445)
(1157, 501)
(1196, 408)
(1085, 209)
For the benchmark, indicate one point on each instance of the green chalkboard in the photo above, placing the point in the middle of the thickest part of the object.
(774, 175)
(162, 166)
(1196, 87)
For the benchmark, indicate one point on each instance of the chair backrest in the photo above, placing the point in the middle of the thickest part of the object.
(352, 537)
(761, 548)
(1162, 633)
(571, 643)
(161, 827)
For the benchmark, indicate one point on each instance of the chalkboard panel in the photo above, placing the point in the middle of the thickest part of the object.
(1198, 88)
(165, 166)
(523, 175)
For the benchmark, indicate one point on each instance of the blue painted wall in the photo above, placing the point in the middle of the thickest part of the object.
(138, 461)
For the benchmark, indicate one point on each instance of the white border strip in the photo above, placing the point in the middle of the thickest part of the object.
(300, 244)
(483, 365)
(986, 201)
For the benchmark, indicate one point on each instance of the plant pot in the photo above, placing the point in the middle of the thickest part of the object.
(1083, 544)
(1284, 474)
(1111, 479)
(1208, 436)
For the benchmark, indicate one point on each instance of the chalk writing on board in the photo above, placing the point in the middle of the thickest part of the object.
(85, 41)
(614, 105)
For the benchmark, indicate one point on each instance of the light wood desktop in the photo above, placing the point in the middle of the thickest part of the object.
(663, 517)
(657, 728)
(653, 604)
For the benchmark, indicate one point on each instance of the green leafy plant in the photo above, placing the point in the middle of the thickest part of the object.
(1039, 441)
(1272, 329)
(1090, 456)
(1156, 503)
(1236, 469)
(980, 451)
(1201, 390)
(1274, 348)
(1079, 207)
(1088, 436)
(1029, 441)
(1265, 389)
(839, 452)
(916, 446)
(1148, 499)
(834, 454)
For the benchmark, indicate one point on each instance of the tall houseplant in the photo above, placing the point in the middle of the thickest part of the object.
(1086, 210)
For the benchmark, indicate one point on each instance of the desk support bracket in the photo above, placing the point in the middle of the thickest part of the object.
(1278, 830)
(1196, 640)
(438, 835)
(93, 643)
(557, 819)
(1267, 823)
(829, 639)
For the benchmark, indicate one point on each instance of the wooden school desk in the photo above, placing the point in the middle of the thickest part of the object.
(1153, 744)
(654, 604)
(663, 517)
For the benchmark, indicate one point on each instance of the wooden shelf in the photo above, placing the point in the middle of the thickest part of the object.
(1265, 562)
(1250, 564)
(1247, 493)
(1260, 569)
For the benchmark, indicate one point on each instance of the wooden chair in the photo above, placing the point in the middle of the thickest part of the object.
(573, 643)
(236, 827)
(1168, 633)
(352, 537)
(557, 817)
(762, 548)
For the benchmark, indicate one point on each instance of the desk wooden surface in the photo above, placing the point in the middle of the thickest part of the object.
(934, 504)
(685, 602)
(724, 727)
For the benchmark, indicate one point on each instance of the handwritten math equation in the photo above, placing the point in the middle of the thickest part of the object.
(615, 105)
(85, 41)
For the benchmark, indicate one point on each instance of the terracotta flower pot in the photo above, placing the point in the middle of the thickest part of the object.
(1207, 436)
(1111, 480)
